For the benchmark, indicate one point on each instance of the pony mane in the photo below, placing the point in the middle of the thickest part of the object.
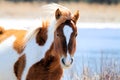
(49, 10)
(32, 31)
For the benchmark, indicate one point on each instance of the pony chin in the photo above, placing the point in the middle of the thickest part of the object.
(64, 66)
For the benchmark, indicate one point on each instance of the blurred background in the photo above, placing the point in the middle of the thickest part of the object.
(90, 10)
(99, 1)
(98, 42)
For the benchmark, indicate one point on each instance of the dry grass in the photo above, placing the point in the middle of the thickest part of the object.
(108, 69)
(88, 12)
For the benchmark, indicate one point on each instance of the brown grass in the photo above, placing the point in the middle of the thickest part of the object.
(109, 69)
(88, 12)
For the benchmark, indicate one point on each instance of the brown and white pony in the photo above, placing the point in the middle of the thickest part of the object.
(41, 53)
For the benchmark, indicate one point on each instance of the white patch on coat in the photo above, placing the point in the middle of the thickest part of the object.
(67, 32)
(8, 57)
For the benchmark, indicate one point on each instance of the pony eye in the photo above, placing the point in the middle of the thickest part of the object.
(76, 35)
(58, 34)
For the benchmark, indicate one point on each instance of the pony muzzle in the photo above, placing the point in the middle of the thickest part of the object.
(66, 62)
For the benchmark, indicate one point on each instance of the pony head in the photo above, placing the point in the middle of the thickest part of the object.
(58, 36)
(65, 36)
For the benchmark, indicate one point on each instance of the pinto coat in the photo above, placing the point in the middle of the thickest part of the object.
(42, 52)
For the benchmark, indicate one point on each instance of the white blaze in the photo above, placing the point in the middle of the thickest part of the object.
(67, 32)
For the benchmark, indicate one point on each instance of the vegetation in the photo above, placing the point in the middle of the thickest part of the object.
(107, 69)
(90, 1)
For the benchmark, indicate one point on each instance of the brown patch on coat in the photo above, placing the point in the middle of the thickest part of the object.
(41, 36)
(19, 66)
(19, 42)
(46, 69)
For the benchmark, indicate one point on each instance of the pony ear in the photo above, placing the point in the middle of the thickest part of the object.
(75, 16)
(58, 14)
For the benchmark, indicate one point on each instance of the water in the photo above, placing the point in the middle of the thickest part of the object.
(96, 48)
(98, 39)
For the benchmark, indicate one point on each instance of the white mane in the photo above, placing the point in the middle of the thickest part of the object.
(32, 31)
(49, 10)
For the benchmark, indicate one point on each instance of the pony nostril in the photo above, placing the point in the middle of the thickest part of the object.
(71, 60)
(63, 61)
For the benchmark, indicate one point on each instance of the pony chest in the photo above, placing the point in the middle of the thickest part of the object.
(33, 53)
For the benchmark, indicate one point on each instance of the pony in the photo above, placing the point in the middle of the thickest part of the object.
(42, 52)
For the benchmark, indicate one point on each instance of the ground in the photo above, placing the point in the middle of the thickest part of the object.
(88, 12)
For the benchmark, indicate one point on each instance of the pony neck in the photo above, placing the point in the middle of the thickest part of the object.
(34, 52)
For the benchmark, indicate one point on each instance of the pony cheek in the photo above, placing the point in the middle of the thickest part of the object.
(72, 49)
(57, 47)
